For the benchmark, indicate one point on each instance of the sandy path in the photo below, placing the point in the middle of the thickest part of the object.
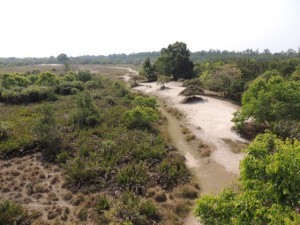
(213, 116)
(210, 121)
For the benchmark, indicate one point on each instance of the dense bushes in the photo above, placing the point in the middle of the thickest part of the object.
(140, 117)
(269, 187)
(270, 100)
(29, 88)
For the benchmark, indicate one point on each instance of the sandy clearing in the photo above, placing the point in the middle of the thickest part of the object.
(209, 120)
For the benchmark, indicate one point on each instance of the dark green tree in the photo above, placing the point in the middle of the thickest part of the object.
(64, 59)
(149, 70)
(174, 61)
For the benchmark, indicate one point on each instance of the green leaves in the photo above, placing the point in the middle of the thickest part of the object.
(270, 187)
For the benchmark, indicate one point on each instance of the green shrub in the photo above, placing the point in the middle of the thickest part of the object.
(145, 102)
(47, 133)
(10, 80)
(140, 117)
(5, 130)
(149, 210)
(92, 85)
(132, 175)
(47, 79)
(69, 87)
(120, 89)
(12, 213)
(86, 114)
(102, 204)
(84, 75)
(172, 171)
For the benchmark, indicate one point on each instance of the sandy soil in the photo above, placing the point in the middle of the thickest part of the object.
(40, 186)
(209, 120)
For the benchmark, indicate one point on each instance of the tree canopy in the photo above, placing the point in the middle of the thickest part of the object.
(270, 99)
(174, 61)
(269, 188)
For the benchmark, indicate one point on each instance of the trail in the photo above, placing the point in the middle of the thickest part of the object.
(209, 121)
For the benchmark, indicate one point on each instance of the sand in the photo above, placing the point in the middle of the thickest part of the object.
(209, 120)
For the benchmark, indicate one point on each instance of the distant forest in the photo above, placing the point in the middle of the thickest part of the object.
(138, 58)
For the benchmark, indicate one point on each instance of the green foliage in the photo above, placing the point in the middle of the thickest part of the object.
(132, 176)
(174, 61)
(149, 70)
(270, 99)
(86, 114)
(148, 209)
(120, 89)
(28, 95)
(84, 75)
(140, 117)
(12, 213)
(163, 79)
(269, 187)
(69, 87)
(226, 79)
(14, 80)
(173, 171)
(47, 133)
(47, 79)
(145, 102)
(5, 130)
(102, 204)
(193, 87)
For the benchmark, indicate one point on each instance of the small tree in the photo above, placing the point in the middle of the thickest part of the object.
(149, 70)
(64, 59)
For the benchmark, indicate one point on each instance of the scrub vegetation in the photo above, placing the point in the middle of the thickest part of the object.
(82, 148)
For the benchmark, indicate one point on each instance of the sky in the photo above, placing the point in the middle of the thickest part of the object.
(44, 28)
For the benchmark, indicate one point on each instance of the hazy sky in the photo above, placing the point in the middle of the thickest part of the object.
(36, 28)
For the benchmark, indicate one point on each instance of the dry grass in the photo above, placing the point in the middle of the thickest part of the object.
(174, 112)
(235, 146)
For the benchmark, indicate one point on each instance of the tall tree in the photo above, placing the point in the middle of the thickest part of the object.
(64, 59)
(175, 61)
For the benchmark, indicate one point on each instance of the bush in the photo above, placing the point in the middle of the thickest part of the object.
(12, 213)
(149, 210)
(5, 130)
(69, 88)
(86, 114)
(145, 102)
(132, 175)
(47, 79)
(173, 171)
(84, 75)
(140, 117)
(27, 95)
(46, 133)
(102, 204)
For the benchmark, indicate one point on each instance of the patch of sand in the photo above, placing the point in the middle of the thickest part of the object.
(209, 120)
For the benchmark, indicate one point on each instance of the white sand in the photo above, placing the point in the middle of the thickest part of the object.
(212, 115)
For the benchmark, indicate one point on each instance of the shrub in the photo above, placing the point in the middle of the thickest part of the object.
(102, 204)
(149, 210)
(84, 75)
(46, 132)
(120, 89)
(145, 102)
(5, 130)
(47, 79)
(132, 175)
(69, 88)
(86, 114)
(140, 117)
(92, 85)
(173, 171)
(14, 214)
